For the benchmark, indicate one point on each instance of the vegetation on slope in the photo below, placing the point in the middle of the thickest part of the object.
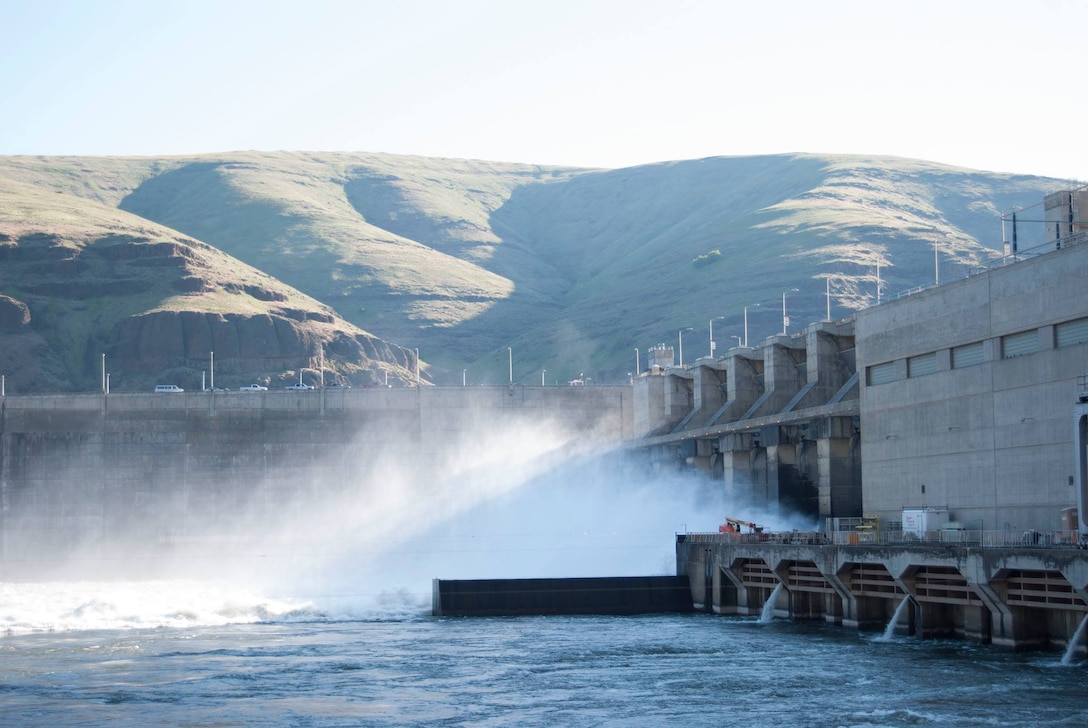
(87, 280)
(570, 268)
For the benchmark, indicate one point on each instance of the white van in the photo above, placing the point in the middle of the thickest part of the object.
(168, 388)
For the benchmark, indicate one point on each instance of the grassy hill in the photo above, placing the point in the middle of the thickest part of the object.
(571, 268)
(80, 278)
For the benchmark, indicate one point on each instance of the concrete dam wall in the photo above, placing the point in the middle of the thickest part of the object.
(600, 595)
(141, 473)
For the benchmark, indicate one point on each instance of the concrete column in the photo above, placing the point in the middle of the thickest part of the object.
(826, 363)
(699, 569)
(838, 467)
(743, 382)
(735, 474)
(848, 608)
(1014, 627)
(731, 592)
(1080, 440)
(709, 389)
(976, 624)
(763, 462)
(784, 368)
(833, 608)
(678, 396)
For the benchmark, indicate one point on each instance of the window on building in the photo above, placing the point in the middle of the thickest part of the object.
(1071, 333)
(881, 373)
(967, 355)
(919, 366)
(1026, 342)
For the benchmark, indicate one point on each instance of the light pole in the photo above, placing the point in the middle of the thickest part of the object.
(738, 340)
(716, 318)
(417, 370)
(510, 351)
(936, 268)
(103, 374)
(464, 377)
(746, 323)
(637, 370)
(212, 370)
(542, 373)
(785, 318)
(680, 340)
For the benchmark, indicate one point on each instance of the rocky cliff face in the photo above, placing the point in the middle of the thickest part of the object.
(157, 305)
(14, 315)
(253, 346)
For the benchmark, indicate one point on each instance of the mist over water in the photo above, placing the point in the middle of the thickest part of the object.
(517, 502)
(308, 606)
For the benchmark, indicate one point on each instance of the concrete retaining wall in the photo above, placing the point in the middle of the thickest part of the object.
(77, 470)
(605, 595)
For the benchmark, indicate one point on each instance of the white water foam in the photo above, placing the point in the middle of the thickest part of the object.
(767, 615)
(518, 503)
(889, 631)
(1071, 648)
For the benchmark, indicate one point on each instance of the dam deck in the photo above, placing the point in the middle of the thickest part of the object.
(1018, 595)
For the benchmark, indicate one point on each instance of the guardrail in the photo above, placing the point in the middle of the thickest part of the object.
(1001, 261)
(961, 537)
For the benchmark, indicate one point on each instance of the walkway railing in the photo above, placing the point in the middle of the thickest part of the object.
(959, 537)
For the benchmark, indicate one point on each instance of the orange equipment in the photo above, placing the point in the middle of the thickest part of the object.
(733, 525)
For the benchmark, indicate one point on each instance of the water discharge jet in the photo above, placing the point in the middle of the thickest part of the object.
(511, 502)
(767, 615)
(889, 631)
(1071, 648)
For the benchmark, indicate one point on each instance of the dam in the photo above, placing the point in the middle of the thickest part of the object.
(963, 404)
(967, 400)
(149, 472)
(983, 587)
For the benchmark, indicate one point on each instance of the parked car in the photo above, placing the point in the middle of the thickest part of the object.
(253, 388)
(298, 386)
(168, 388)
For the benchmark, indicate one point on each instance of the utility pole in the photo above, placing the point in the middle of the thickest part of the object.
(680, 340)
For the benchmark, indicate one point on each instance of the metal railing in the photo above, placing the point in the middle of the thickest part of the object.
(959, 537)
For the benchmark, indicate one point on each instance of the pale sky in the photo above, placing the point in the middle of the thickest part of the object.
(995, 85)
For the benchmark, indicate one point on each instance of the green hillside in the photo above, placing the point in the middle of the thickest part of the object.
(571, 268)
(80, 279)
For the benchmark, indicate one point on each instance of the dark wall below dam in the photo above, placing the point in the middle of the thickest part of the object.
(603, 595)
(150, 470)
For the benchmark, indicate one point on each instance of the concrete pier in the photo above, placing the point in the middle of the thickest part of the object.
(1015, 597)
(777, 424)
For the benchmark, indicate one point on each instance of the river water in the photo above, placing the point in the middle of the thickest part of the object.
(225, 657)
(322, 619)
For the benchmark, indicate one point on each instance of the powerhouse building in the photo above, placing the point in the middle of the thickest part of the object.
(959, 400)
(969, 391)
